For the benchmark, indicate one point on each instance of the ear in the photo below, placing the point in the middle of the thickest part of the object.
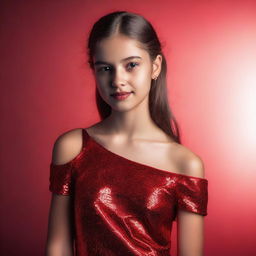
(157, 63)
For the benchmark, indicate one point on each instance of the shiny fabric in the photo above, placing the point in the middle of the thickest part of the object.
(122, 207)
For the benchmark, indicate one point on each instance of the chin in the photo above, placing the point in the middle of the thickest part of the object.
(120, 108)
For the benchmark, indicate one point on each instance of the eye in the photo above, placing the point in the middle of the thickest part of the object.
(134, 64)
(131, 65)
(106, 68)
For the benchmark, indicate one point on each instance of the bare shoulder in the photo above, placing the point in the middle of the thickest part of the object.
(67, 146)
(190, 162)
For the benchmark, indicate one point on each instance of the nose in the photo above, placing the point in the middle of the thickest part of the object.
(118, 78)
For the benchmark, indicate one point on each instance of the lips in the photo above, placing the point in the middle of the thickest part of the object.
(120, 93)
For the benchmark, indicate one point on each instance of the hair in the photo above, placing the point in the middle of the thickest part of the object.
(136, 27)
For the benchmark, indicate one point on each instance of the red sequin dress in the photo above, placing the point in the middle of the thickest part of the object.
(122, 207)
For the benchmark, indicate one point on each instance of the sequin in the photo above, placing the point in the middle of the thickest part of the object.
(122, 207)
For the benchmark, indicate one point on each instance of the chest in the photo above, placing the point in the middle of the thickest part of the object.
(111, 182)
(158, 155)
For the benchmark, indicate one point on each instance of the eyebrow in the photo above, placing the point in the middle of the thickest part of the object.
(99, 62)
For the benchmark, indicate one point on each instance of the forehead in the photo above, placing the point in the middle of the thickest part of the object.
(118, 47)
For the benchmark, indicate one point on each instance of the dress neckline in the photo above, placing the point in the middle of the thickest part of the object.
(137, 163)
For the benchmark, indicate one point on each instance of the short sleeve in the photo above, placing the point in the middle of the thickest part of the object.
(61, 179)
(192, 194)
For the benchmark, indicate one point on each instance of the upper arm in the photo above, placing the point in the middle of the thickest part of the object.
(190, 225)
(195, 166)
(60, 224)
(67, 146)
(60, 227)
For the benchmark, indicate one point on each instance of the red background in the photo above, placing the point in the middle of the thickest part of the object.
(47, 88)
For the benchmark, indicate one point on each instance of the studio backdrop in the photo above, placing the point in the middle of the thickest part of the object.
(47, 88)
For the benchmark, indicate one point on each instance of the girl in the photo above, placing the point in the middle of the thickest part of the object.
(118, 185)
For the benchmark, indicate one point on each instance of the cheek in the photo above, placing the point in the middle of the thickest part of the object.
(102, 82)
(102, 88)
(142, 81)
(138, 80)
(100, 78)
(103, 93)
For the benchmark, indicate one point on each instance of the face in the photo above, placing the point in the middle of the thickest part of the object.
(121, 65)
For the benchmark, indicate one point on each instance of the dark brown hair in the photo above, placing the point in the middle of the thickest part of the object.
(136, 27)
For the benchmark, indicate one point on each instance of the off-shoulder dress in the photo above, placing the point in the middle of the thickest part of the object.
(122, 207)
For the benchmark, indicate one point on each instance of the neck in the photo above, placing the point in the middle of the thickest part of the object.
(136, 122)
